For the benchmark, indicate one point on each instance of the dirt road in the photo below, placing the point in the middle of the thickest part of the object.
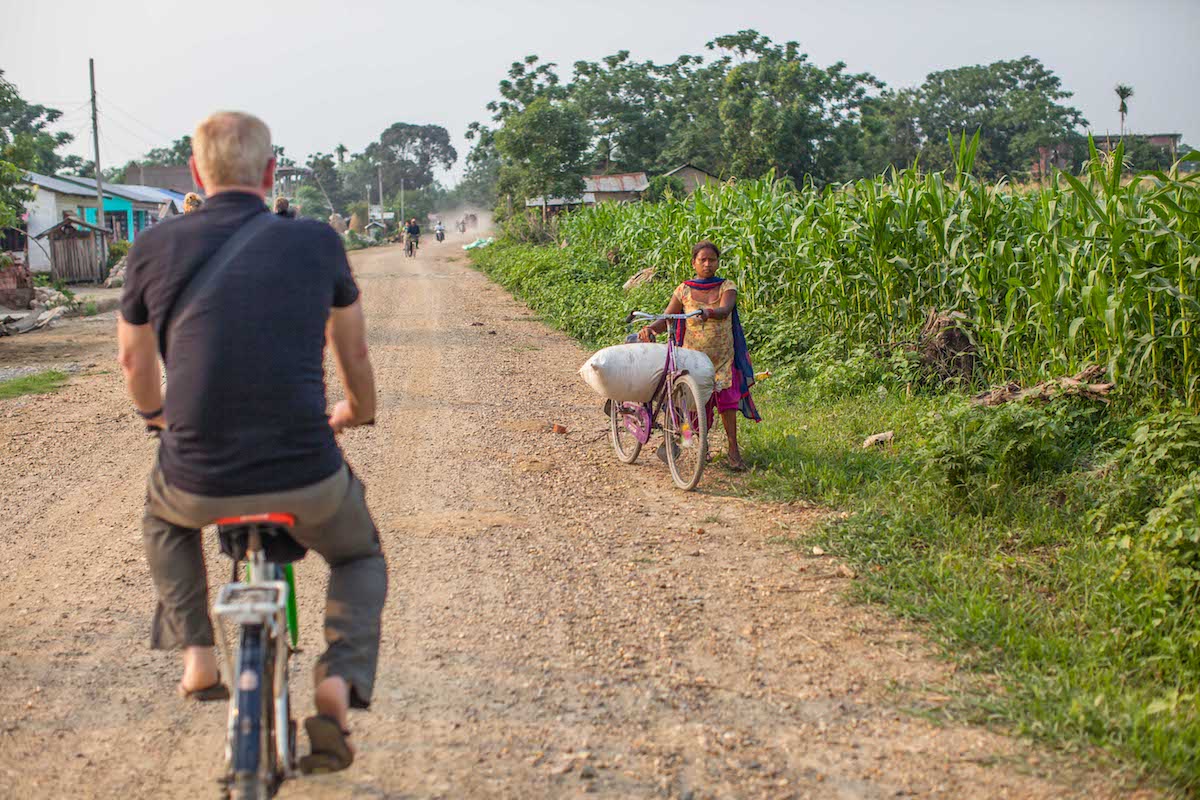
(558, 624)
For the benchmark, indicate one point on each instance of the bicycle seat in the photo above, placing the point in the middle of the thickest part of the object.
(274, 529)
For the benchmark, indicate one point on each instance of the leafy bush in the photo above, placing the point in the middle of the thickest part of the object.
(664, 187)
(116, 251)
(528, 228)
(979, 455)
(1174, 530)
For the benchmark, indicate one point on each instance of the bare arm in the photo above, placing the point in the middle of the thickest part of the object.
(673, 307)
(728, 303)
(137, 352)
(346, 333)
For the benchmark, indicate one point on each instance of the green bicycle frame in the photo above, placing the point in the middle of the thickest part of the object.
(293, 616)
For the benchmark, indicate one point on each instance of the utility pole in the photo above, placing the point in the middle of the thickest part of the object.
(96, 148)
(103, 254)
(380, 168)
(403, 218)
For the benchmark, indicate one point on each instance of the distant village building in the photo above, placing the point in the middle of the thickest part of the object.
(620, 188)
(375, 230)
(128, 209)
(692, 177)
(52, 199)
(176, 178)
(1058, 156)
(78, 251)
(1165, 141)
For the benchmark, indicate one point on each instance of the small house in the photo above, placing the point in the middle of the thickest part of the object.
(52, 199)
(176, 178)
(78, 250)
(624, 187)
(692, 177)
(375, 230)
(127, 209)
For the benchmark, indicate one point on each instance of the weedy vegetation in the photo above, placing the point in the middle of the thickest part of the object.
(38, 383)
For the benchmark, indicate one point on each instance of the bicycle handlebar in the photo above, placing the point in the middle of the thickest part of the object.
(657, 317)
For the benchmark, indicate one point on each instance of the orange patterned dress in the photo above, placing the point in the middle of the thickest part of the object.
(713, 337)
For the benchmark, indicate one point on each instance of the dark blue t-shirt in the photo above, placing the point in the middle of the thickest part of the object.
(245, 401)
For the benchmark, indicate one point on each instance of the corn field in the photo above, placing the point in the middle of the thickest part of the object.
(1091, 270)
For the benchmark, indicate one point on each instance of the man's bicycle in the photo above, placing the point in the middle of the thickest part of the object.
(684, 422)
(410, 246)
(260, 748)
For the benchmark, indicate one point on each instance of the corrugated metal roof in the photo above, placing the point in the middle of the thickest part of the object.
(622, 182)
(159, 195)
(58, 185)
(138, 194)
(588, 199)
(686, 166)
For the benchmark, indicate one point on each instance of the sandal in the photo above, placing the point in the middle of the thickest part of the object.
(330, 752)
(208, 694)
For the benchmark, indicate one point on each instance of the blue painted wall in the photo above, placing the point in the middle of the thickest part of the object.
(115, 205)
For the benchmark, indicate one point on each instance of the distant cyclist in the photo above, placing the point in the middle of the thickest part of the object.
(240, 304)
(413, 232)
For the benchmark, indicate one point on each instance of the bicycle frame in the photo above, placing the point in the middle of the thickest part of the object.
(662, 391)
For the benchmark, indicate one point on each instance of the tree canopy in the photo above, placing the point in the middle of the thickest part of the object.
(750, 106)
(26, 138)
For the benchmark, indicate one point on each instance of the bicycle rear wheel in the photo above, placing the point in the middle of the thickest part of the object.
(625, 444)
(686, 431)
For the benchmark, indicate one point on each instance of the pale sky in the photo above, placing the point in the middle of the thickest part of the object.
(322, 72)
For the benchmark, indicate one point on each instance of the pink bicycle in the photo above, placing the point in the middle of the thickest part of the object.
(683, 420)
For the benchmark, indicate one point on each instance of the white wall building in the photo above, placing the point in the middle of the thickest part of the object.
(51, 197)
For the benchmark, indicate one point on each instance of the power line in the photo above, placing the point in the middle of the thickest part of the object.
(110, 118)
(152, 130)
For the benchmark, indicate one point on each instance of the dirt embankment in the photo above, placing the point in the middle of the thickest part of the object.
(558, 623)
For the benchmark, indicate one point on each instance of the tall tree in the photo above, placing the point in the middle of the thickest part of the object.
(781, 112)
(1124, 92)
(13, 196)
(177, 154)
(543, 151)
(26, 138)
(412, 152)
(1016, 105)
(624, 102)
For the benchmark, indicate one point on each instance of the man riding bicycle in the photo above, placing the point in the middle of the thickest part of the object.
(240, 304)
(413, 232)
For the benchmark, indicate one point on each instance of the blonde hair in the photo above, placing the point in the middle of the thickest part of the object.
(191, 202)
(232, 149)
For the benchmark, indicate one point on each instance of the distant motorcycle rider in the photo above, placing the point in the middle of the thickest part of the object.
(439, 230)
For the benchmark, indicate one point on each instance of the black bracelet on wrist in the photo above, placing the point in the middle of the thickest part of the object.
(148, 414)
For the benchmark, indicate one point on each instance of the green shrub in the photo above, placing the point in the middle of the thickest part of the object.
(979, 455)
(116, 251)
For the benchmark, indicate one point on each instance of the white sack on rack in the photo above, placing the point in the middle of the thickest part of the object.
(631, 372)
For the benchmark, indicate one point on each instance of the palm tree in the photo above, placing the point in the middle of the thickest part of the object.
(1124, 92)
(341, 151)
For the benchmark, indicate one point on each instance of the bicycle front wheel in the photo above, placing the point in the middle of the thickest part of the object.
(686, 429)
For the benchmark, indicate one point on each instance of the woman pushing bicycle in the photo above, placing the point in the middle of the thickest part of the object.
(718, 334)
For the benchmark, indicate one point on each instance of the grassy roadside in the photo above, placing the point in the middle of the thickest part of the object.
(1081, 644)
(1053, 549)
(38, 383)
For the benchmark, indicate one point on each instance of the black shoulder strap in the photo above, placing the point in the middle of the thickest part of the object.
(203, 274)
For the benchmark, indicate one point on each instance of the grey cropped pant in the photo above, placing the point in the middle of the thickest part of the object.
(331, 519)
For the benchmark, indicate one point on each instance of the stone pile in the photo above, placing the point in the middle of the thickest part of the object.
(116, 278)
(49, 297)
